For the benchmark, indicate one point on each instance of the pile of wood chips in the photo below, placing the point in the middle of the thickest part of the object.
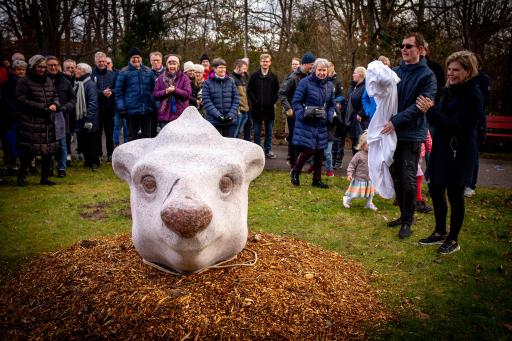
(101, 289)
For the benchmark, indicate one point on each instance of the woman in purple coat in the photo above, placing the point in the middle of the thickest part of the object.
(172, 91)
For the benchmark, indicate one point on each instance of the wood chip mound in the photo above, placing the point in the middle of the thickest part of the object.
(101, 289)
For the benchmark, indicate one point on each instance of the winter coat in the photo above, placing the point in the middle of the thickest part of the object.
(195, 93)
(454, 143)
(241, 82)
(105, 79)
(312, 91)
(66, 96)
(220, 97)
(10, 108)
(173, 104)
(288, 87)
(358, 166)
(262, 92)
(134, 90)
(91, 100)
(355, 108)
(415, 80)
(36, 130)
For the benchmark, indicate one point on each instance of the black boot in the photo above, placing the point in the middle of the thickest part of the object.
(46, 182)
(22, 180)
(319, 184)
(294, 175)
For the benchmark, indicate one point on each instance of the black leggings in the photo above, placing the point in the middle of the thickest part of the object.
(456, 199)
(26, 157)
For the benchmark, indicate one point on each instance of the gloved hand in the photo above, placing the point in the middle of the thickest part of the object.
(225, 118)
(88, 125)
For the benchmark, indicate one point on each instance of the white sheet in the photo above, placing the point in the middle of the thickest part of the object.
(381, 83)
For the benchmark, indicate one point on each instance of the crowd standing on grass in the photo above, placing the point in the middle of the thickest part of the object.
(46, 106)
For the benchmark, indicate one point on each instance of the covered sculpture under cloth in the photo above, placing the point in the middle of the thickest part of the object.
(188, 193)
(381, 84)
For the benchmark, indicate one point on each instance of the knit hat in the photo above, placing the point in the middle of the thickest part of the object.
(188, 66)
(308, 58)
(204, 57)
(18, 63)
(34, 60)
(198, 68)
(134, 52)
(218, 61)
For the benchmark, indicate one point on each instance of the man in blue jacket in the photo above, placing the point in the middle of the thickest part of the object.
(134, 95)
(106, 83)
(410, 126)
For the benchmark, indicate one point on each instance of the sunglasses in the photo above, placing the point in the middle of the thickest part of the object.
(406, 46)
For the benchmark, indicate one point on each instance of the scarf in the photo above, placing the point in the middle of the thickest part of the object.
(81, 104)
(170, 79)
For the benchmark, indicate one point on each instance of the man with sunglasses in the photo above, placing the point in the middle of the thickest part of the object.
(410, 126)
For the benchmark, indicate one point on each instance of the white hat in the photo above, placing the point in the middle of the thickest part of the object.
(198, 68)
(188, 66)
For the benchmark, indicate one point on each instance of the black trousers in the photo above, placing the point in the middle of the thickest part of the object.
(338, 151)
(403, 172)
(292, 150)
(106, 124)
(139, 122)
(26, 157)
(456, 198)
(87, 143)
(305, 155)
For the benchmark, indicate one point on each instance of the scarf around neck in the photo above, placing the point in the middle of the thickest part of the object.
(81, 103)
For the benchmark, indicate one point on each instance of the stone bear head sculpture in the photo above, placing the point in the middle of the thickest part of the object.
(188, 192)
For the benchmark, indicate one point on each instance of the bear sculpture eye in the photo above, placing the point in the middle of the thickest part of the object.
(226, 184)
(149, 184)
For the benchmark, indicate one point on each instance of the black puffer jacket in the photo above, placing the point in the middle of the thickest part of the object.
(36, 130)
(66, 96)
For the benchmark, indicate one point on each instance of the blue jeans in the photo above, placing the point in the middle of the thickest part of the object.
(247, 127)
(328, 156)
(242, 118)
(269, 126)
(117, 127)
(63, 154)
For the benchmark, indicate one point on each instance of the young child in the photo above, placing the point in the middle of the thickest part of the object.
(357, 173)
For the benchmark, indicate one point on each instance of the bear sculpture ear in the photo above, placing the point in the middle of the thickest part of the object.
(253, 158)
(126, 155)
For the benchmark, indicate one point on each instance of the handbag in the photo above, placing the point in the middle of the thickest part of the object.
(59, 124)
(313, 113)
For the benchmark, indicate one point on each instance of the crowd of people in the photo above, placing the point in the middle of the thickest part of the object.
(46, 104)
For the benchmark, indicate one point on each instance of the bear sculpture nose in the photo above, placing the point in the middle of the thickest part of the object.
(185, 218)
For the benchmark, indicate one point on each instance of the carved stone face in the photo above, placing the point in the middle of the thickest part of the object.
(188, 192)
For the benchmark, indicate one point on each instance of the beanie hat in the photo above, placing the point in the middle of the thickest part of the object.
(308, 58)
(134, 52)
(198, 68)
(218, 61)
(18, 63)
(204, 57)
(34, 60)
(188, 66)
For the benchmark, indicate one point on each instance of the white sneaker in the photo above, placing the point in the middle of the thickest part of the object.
(346, 202)
(371, 206)
(469, 192)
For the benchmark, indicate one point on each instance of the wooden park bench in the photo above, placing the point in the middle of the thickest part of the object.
(499, 128)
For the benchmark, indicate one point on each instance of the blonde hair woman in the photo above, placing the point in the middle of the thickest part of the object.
(454, 146)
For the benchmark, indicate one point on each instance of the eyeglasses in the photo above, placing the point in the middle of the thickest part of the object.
(406, 46)
(52, 65)
(109, 63)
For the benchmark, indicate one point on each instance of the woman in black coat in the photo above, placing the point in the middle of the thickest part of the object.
(453, 146)
(38, 101)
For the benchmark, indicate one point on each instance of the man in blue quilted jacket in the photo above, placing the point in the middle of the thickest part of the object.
(134, 95)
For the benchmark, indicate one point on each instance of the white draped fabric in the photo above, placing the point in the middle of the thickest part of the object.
(381, 83)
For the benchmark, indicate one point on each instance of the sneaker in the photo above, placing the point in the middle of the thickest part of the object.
(371, 206)
(270, 155)
(61, 173)
(434, 239)
(422, 207)
(346, 202)
(329, 174)
(469, 192)
(449, 246)
(68, 158)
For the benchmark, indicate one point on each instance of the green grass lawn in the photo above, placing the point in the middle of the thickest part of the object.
(466, 295)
